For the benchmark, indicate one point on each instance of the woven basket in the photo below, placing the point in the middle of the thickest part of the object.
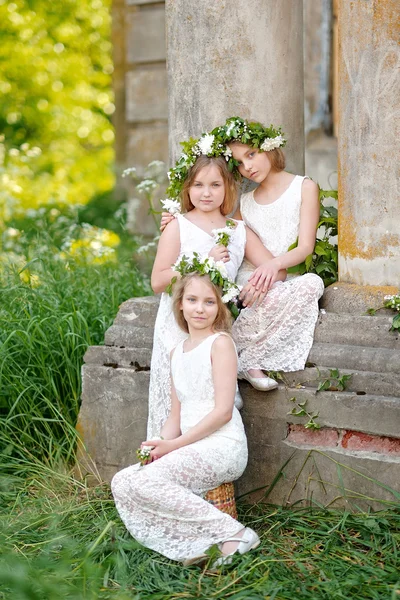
(223, 498)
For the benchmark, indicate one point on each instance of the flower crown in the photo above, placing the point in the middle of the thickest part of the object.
(215, 143)
(217, 273)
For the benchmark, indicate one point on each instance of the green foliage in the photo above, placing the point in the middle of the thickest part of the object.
(300, 410)
(61, 539)
(392, 302)
(55, 102)
(335, 382)
(59, 291)
(324, 260)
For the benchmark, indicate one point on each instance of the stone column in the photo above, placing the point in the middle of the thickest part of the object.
(241, 58)
(369, 142)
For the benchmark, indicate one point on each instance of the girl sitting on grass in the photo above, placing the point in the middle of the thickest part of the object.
(203, 441)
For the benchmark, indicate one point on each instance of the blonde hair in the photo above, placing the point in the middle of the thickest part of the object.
(277, 159)
(231, 188)
(223, 320)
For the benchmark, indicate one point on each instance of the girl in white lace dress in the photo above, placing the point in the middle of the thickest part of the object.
(277, 334)
(203, 445)
(209, 193)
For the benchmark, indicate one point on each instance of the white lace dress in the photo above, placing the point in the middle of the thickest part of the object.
(277, 335)
(161, 503)
(167, 333)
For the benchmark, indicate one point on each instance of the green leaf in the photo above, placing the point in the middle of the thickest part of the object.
(334, 373)
(324, 385)
(308, 261)
(395, 323)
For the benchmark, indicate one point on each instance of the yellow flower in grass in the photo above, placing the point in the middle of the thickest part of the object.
(94, 246)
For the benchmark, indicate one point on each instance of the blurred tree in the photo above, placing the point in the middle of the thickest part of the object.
(55, 101)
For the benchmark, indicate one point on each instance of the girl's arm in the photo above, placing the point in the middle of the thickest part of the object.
(309, 217)
(257, 253)
(167, 254)
(260, 257)
(224, 370)
(172, 426)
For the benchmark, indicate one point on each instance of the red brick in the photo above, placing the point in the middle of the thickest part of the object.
(325, 437)
(356, 440)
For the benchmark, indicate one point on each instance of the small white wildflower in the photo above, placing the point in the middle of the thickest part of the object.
(129, 172)
(13, 152)
(230, 127)
(230, 295)
(205, 144)
(12, 232)
(220, 266)
(227, 153)
(146, 186)
(171, 206)
(271, 143)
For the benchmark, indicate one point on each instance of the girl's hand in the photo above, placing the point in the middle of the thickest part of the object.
(219, 252)
(251, 296)
(160, 447)
(264, 277)
(165, 219)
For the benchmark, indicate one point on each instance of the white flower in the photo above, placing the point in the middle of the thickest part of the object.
(222, 235)
(171, 206)
(227, 153)
(205, 144)
(230, 295)
(169, 175)
(127, 172)
(146, 186)
(230, 127)
(220, 266)
(12, 232)
(271, 143)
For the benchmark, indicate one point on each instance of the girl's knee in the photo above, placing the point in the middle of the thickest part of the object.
(125, 481)
(314, 284)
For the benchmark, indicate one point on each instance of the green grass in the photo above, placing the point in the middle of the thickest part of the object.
(44, 332)
(61, 539)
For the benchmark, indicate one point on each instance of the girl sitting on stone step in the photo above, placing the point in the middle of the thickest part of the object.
(203, 441)
(208, 193)
(276, 334)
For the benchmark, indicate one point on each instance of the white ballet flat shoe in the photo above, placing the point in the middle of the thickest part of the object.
(247, 542)
(264, 384)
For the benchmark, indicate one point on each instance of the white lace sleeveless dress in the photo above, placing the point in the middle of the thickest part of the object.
(277, 335)
(167, 333)
(161, 503)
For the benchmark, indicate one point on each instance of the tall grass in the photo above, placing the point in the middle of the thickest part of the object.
(46, 325)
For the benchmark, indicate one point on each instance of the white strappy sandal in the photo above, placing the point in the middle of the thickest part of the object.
(247, 542)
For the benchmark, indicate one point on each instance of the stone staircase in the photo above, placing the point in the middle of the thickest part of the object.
(352, 460)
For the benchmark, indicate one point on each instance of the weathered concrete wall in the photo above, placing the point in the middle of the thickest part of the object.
(317, 64)
(369, 142)
(236, 58)
(359, 427)
(140, 87)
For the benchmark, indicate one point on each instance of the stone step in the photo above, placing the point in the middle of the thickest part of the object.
(333, 328)
(361, 382)
(137, 359)
(358, 358)
(126, 335)
(140, 312)
(369, 413)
